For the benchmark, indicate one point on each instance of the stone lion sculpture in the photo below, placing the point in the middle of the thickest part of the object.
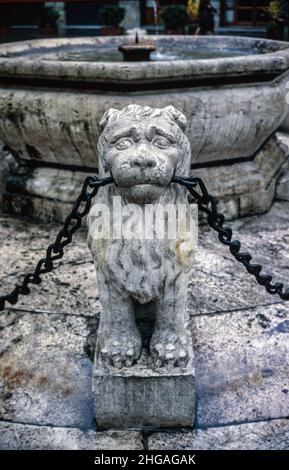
(142, 148)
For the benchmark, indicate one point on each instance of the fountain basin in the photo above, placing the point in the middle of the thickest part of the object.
(52, 95)
(49, 108)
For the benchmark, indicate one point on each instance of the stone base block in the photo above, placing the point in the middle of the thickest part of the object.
(140, 398)
(282, 192)
(282, 189)
(248, 188)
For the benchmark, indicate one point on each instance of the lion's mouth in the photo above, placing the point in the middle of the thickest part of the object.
(141, 186)
(142, 178)
(143, 182)
(146, 184)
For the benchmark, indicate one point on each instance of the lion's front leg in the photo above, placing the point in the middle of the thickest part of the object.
(170, 343)
(119, 341)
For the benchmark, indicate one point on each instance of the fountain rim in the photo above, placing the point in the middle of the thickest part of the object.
(27, 63)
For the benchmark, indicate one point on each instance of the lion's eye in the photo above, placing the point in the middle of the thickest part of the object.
(161, 142)
(123, 144)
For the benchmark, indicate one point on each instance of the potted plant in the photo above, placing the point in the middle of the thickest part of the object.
(112, 16)
(275, 20)
(49, 21)
(175, 18)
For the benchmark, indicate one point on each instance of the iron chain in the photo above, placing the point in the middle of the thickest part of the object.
(55, 251)
(206, 203)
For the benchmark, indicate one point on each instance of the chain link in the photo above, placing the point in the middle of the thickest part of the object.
(208, 204)
(55, 251)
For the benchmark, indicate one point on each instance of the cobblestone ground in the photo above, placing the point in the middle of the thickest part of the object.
(241, 340)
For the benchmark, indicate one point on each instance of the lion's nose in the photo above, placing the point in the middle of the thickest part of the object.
(143, 161)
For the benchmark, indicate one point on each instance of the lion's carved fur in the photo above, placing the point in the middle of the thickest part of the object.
(140, 269)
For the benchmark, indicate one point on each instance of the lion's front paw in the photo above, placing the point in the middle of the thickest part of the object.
(169, 349)
(120, 350)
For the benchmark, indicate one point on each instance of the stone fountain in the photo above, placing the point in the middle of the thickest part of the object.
(53, 93)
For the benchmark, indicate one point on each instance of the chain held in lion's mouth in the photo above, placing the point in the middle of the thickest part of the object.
(206, 203)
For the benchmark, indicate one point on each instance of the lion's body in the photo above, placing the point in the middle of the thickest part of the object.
(139, 268)
(141, 148)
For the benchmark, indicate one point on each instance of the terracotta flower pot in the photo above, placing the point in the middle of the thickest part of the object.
(111, 31)
(5, 30)
(174, 31)
(48, 30)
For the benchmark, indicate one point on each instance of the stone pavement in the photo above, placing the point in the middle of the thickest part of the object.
(241, 340)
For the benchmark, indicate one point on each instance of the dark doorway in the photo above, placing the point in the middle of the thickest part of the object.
(19, 14)
(250, 12)
(85, 13)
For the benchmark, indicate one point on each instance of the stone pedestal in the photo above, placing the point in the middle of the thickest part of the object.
(282, 189)
(242, 188)
(139, 397)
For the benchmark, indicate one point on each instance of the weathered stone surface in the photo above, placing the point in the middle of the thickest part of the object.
(244, 188)
(285, 123)
(218, 282)
(60, 126)
(282, 188)
(142, 270)
(282, 192)
(242, 365)
(139, 397)
(215, 116)
(251, 176)
(14, 436)
(273, 435)
(7, 165)
(72, 288)
(272, 56)
(248, 188)
(218, 285)
(39, 208)
(135, 267)
(45, 373)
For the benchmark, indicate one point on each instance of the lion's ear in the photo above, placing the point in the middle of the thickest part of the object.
(179, 117)
(106, 117)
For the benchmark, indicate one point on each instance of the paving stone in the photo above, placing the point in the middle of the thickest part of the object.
(72, 288)
(219, 283)
(273, 435)
(45, 361)
(45, 371)
(14, 436)
(242, 365)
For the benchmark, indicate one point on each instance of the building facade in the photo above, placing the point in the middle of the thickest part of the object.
(85, 14)
(242, 12)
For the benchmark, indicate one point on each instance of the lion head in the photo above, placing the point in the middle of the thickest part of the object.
(142, 148)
